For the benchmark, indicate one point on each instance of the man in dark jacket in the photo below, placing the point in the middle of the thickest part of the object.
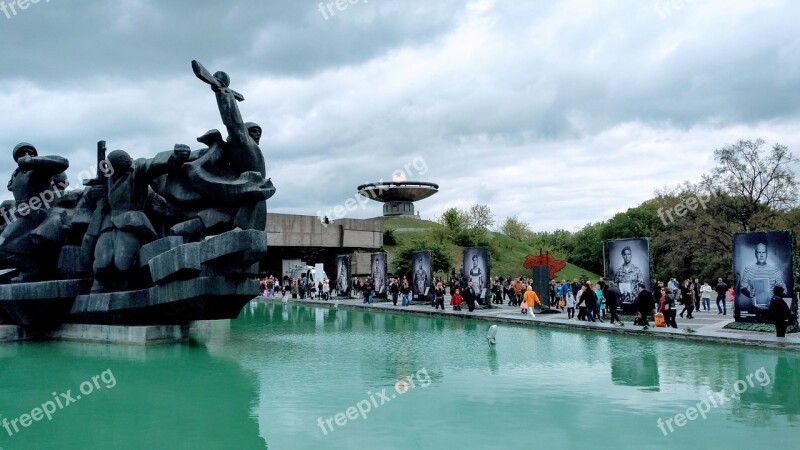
(469, 296)
(781, 316)
(590, 299)
(721, 289)
(394, 289)
(644, 303)
(575, 287)
(612, 294)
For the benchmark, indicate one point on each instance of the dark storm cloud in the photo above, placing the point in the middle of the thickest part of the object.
(63, 42)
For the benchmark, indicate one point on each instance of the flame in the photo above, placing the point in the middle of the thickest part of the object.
(399, 178)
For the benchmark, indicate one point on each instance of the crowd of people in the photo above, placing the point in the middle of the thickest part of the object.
(594, 302)
(301, 287)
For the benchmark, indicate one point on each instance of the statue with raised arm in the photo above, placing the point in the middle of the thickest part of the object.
(124, 226)
(223, 185)
(33, 184)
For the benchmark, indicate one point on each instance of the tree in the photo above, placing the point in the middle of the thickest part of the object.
(455, 220)
(468, 228)
(480, 217)
(516, 229)
(759, 183)
(588, 248)
(441, 260)
(389, 236)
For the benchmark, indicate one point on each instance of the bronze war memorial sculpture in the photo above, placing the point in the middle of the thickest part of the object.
(165, 240)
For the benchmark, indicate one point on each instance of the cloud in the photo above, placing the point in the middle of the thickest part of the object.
(561, 113)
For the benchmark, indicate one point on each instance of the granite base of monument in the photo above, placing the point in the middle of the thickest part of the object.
(120, 334)
(11, 333)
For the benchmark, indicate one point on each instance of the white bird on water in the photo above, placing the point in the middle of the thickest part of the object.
(490, 336)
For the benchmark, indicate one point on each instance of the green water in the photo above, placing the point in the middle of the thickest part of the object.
(265, 380)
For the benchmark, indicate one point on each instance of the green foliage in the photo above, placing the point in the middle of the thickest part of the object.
(506, 255)
(472, 238)
(468, 228)
(455, 220)
(389, 237)
(441, 258)
(760, 327)
(516, 229)
(480, 217)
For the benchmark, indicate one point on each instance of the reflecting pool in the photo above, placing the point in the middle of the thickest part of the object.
(297, 377)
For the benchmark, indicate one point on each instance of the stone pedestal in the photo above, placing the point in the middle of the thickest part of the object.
(120, 334)
(11, 333)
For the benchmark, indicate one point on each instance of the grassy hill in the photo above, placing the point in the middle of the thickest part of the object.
(507, 254)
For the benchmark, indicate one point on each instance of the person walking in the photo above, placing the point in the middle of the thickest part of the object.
(581, 303)
(721, 289)
(687, 296)
(705, 296)
(575, 287)
(612, 296)
(668, 307)
(394, 289)
(589, 298)
(531, 300)
(439, 295)
(469, 296)
(326, 289)
(601, 303)
(781, 315)
(570, 302)
(497, 290)
(559, 295)
(456, 300)
(371, 289)
(644, 304)
(518, 291)
(405, 289)
(696, 288)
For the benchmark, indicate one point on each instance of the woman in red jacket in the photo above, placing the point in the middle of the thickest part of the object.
(456, 300)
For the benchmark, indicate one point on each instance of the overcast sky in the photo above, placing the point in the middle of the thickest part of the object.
(562, 113)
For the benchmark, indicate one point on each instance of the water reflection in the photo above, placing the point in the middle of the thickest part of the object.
(269, 375)
(166, 396)
(634, 363)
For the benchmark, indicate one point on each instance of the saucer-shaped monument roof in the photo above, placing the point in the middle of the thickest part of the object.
(398, 191)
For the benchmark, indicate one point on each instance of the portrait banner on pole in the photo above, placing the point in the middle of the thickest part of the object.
(422, 281)
(761, 261)
(628, 266)
(379, 272)
(476, 269)
(343, 275)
